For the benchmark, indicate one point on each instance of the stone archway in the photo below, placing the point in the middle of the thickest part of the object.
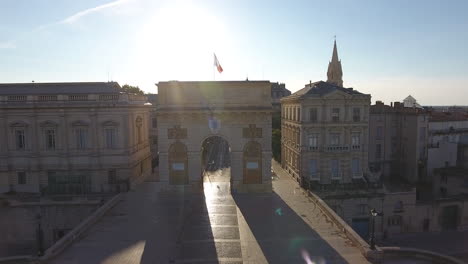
(178, 164)
(252, 160)
(237, 111)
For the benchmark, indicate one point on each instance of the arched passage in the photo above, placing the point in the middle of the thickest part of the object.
(216, 160)
(178, 164)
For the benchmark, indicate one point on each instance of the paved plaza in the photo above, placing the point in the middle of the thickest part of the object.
(153, 226)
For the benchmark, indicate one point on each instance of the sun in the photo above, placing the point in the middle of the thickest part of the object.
(178, 42)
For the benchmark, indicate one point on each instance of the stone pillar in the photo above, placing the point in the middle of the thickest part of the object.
(236, 169)
(194, 169)
(163, 168)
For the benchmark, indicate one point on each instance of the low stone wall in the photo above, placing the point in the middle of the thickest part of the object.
(18, 260)
(78, 231)
(374, 255)
(414, 254)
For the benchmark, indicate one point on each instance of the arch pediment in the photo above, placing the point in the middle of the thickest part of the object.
(19, 123)
(110, 123)
(48, 123)
(79, 123)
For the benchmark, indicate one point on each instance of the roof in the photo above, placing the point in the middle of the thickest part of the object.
(448, 116)
(322, 88)
(59, 88)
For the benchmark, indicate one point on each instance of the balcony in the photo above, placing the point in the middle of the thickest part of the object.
(357, 175)
(336, 175)
(355, 147)
(337, 148)
(312, 148)
(314, 176)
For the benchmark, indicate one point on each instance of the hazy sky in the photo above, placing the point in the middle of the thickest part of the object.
(389, 49)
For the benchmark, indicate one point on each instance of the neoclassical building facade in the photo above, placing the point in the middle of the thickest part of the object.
(325, 130)
(191, 113)
(72, 138)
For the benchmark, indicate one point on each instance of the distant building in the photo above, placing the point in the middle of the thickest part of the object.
(398, 142)
(411, 102)
(278, 91)
(153, 130)
(72, 138)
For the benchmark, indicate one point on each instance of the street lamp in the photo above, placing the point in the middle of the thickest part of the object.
(39, 236)
(374, 213)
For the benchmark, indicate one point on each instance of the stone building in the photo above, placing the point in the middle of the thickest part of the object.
(72, 138)
(191, 115)
(153, 130)
(278, 91)
(397, 142)
(325, 131)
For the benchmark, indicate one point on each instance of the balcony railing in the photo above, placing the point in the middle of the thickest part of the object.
(314, 176)
(355, 147)
(312, 148)
(357, 175)
(337, 148)
(336, 175)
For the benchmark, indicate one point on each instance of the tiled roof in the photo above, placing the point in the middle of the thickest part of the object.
(59, 88)
(321, 88)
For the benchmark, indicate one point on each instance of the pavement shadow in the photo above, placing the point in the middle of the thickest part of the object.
(184, 232)
(282, 235)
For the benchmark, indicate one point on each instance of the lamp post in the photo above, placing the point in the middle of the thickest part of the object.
(39, 236)
(374, 213)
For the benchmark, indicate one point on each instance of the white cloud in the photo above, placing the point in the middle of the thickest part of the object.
(73, 18)
(7, 45)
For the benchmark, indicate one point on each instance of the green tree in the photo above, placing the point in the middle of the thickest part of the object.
(276, 144)
(132, 89)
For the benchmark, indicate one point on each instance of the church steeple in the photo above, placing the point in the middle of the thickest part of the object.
(335, 73)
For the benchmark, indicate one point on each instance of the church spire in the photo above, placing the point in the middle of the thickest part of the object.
(335, 73)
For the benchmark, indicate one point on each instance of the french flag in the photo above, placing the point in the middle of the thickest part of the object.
(217, 65)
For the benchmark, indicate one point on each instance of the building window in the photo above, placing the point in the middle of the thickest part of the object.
(422, 134)
(362, 209)
(356, 170)
(394, 220)
(112, 176)
(110, 136)
(355, 139)
(335, 114)
(313, 114)
(154, 122)
(356, 114)
(50, 139)
(298, 114)
(379, 134)
(334, 139)
(155, 140)
(313, 141)
(335, 171)
(378, 151)
(139, 124)
(81, 135)
(21, 177)
(20, 139)
(398, 207)
(313, 169)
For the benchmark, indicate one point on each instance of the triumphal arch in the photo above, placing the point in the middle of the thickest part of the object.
(189, 114)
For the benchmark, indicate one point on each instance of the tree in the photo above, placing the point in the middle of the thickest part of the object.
(132, 89)
(276, 144)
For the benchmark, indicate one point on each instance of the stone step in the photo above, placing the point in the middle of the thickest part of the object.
(210, 232)
(210, 250)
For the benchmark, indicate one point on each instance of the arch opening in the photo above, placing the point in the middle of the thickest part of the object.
(216, 164)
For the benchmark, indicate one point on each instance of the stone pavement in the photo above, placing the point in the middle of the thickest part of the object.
(151, 226)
